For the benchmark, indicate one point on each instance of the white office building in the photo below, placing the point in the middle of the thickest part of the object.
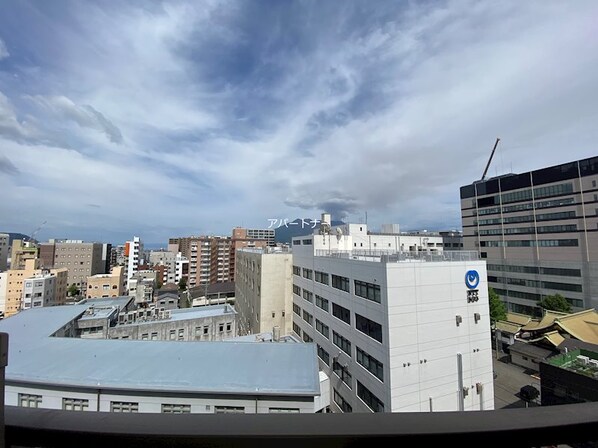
(39, 290)
(3, 292)
(3, 251)
(133, 256)
(176, 265)
(396, 330)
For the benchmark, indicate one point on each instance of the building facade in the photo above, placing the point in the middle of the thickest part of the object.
(39, 290)
(263, 290)
(538, 232)
(151, 376)
(106, 285)
(392, 327)
(81, 259)
(176, 265)
(21, 251)
(3, 251)
(132, 257)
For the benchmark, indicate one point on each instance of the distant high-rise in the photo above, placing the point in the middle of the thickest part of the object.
(3, 251)
(538, 232)
(133, 255)
(21, 252)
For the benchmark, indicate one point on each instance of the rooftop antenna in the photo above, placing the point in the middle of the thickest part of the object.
(490, 159)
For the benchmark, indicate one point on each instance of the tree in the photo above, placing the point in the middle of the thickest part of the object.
(183, 283)
(498, 310)
(73, 290)
(555, 302)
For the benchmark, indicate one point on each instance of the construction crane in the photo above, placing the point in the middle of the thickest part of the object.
(490, 159)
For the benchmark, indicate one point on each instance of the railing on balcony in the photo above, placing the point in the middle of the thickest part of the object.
(540, 426)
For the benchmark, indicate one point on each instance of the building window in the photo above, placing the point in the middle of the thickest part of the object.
(197, 332)
(297, 290)
(75, 404)
(205, 330)
(297, 329)
(296, 309)
(296, 242)
(284, 411)
(228, 326)
(321, 302)
(322, 329)
(369, 327)
(323, 355)
(221, 328)
(296, 270)
(181, 334)
(321, 277)
(308, 317)
(370, 363)
(343, 373)
(307, 242)
(341, 342)
(154, 336)
(176, 408)
(30, 400)
(144, 336)
(172, 335)
(122, 406)
(341, 402)
(367, 291)
(341, 283)
(229, 410)
(369, 398)
(341, 313)
(308, 295)
(307, 273)
(307, 338)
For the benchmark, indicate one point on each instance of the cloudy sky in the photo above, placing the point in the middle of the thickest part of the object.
(179, 118)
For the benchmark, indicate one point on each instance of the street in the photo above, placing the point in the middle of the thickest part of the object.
(509, 380)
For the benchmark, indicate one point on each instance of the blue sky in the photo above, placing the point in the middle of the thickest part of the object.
(173, 118)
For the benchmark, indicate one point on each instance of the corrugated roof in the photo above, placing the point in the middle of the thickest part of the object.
(546, 322)
(533, 351)
(554, 338)
(194, 367)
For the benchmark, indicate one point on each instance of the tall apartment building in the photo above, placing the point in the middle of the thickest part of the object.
(81, 259)
(3, 291)
(176, 265)
(133, 254)
(392, 327)
(21, 252)
(39, 290)
(538, 232)
(3, 251)
(263, 292)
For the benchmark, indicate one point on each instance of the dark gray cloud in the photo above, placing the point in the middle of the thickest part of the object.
(7, 167)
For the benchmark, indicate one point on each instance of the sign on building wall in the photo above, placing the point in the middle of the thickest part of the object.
(472, 280)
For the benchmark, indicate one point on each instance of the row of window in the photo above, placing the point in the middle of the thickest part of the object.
(342, 371)
(536, 270)
(81, 404)
(369, 398)
(341, 402)
(527, 206)
(305, 242)
(527, 218)
(531, 243)
(534, 297)
(341, 283)
(536, 283)
(529, 230)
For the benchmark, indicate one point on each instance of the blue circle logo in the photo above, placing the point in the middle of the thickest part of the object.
(472, 279)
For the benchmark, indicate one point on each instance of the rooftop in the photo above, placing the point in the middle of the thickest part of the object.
(580, 361)
(226, 367)
(99, 313)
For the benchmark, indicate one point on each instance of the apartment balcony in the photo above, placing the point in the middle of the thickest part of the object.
(539, 426)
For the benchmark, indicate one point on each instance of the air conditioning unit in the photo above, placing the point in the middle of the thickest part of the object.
(594, 363)
(167, 314)
(583, 360)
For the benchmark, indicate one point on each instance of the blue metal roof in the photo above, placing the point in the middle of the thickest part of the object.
(195, 367)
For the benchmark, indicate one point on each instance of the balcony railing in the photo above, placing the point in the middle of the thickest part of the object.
(393, 256)
(539, 426)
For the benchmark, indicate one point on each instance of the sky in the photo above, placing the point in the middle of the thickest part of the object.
(164, 119)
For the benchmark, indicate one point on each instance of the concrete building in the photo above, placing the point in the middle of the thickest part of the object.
(175, 263)
(106, 285)
(209, 258)
(538, 233)
(214, 294)
(152, 376)
(3, 292)
(396, 331)
(263, 290)
(81, 259)
(22, 251)
(4, 238)
(39, 290)
(133, 257)
(142, 285)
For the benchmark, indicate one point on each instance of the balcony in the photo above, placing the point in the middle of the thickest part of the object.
(539, 426)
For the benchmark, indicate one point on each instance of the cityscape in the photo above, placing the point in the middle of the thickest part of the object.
(222, 212)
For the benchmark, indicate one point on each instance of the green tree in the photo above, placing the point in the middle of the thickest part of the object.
(498, 310)
(183, 283)
(73, 290)
(555, 302)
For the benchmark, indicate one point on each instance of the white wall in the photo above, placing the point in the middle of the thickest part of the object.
(52, 399)
(3, 290)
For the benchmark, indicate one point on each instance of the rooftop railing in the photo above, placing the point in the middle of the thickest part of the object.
(393, 256)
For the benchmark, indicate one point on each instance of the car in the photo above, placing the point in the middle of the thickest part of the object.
(528, 393)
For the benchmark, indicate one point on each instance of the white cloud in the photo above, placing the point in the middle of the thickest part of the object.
(3, 50)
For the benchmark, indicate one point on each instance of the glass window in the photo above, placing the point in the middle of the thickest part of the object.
(122, 406)
(308, 317)
(341, 342)
(368, 291)
(307, 273)
(322, 329)
(176, 408)
(341, 313)
(369, 327)
(283, 410)
(323, 355)
(370, 363)
(369, 398)
(322, 303)
(75, 404)
(308, 295)
(30, 400)
(341, 283)
(341, 402)
(321, 277)
(229, 410)
(342, 371)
